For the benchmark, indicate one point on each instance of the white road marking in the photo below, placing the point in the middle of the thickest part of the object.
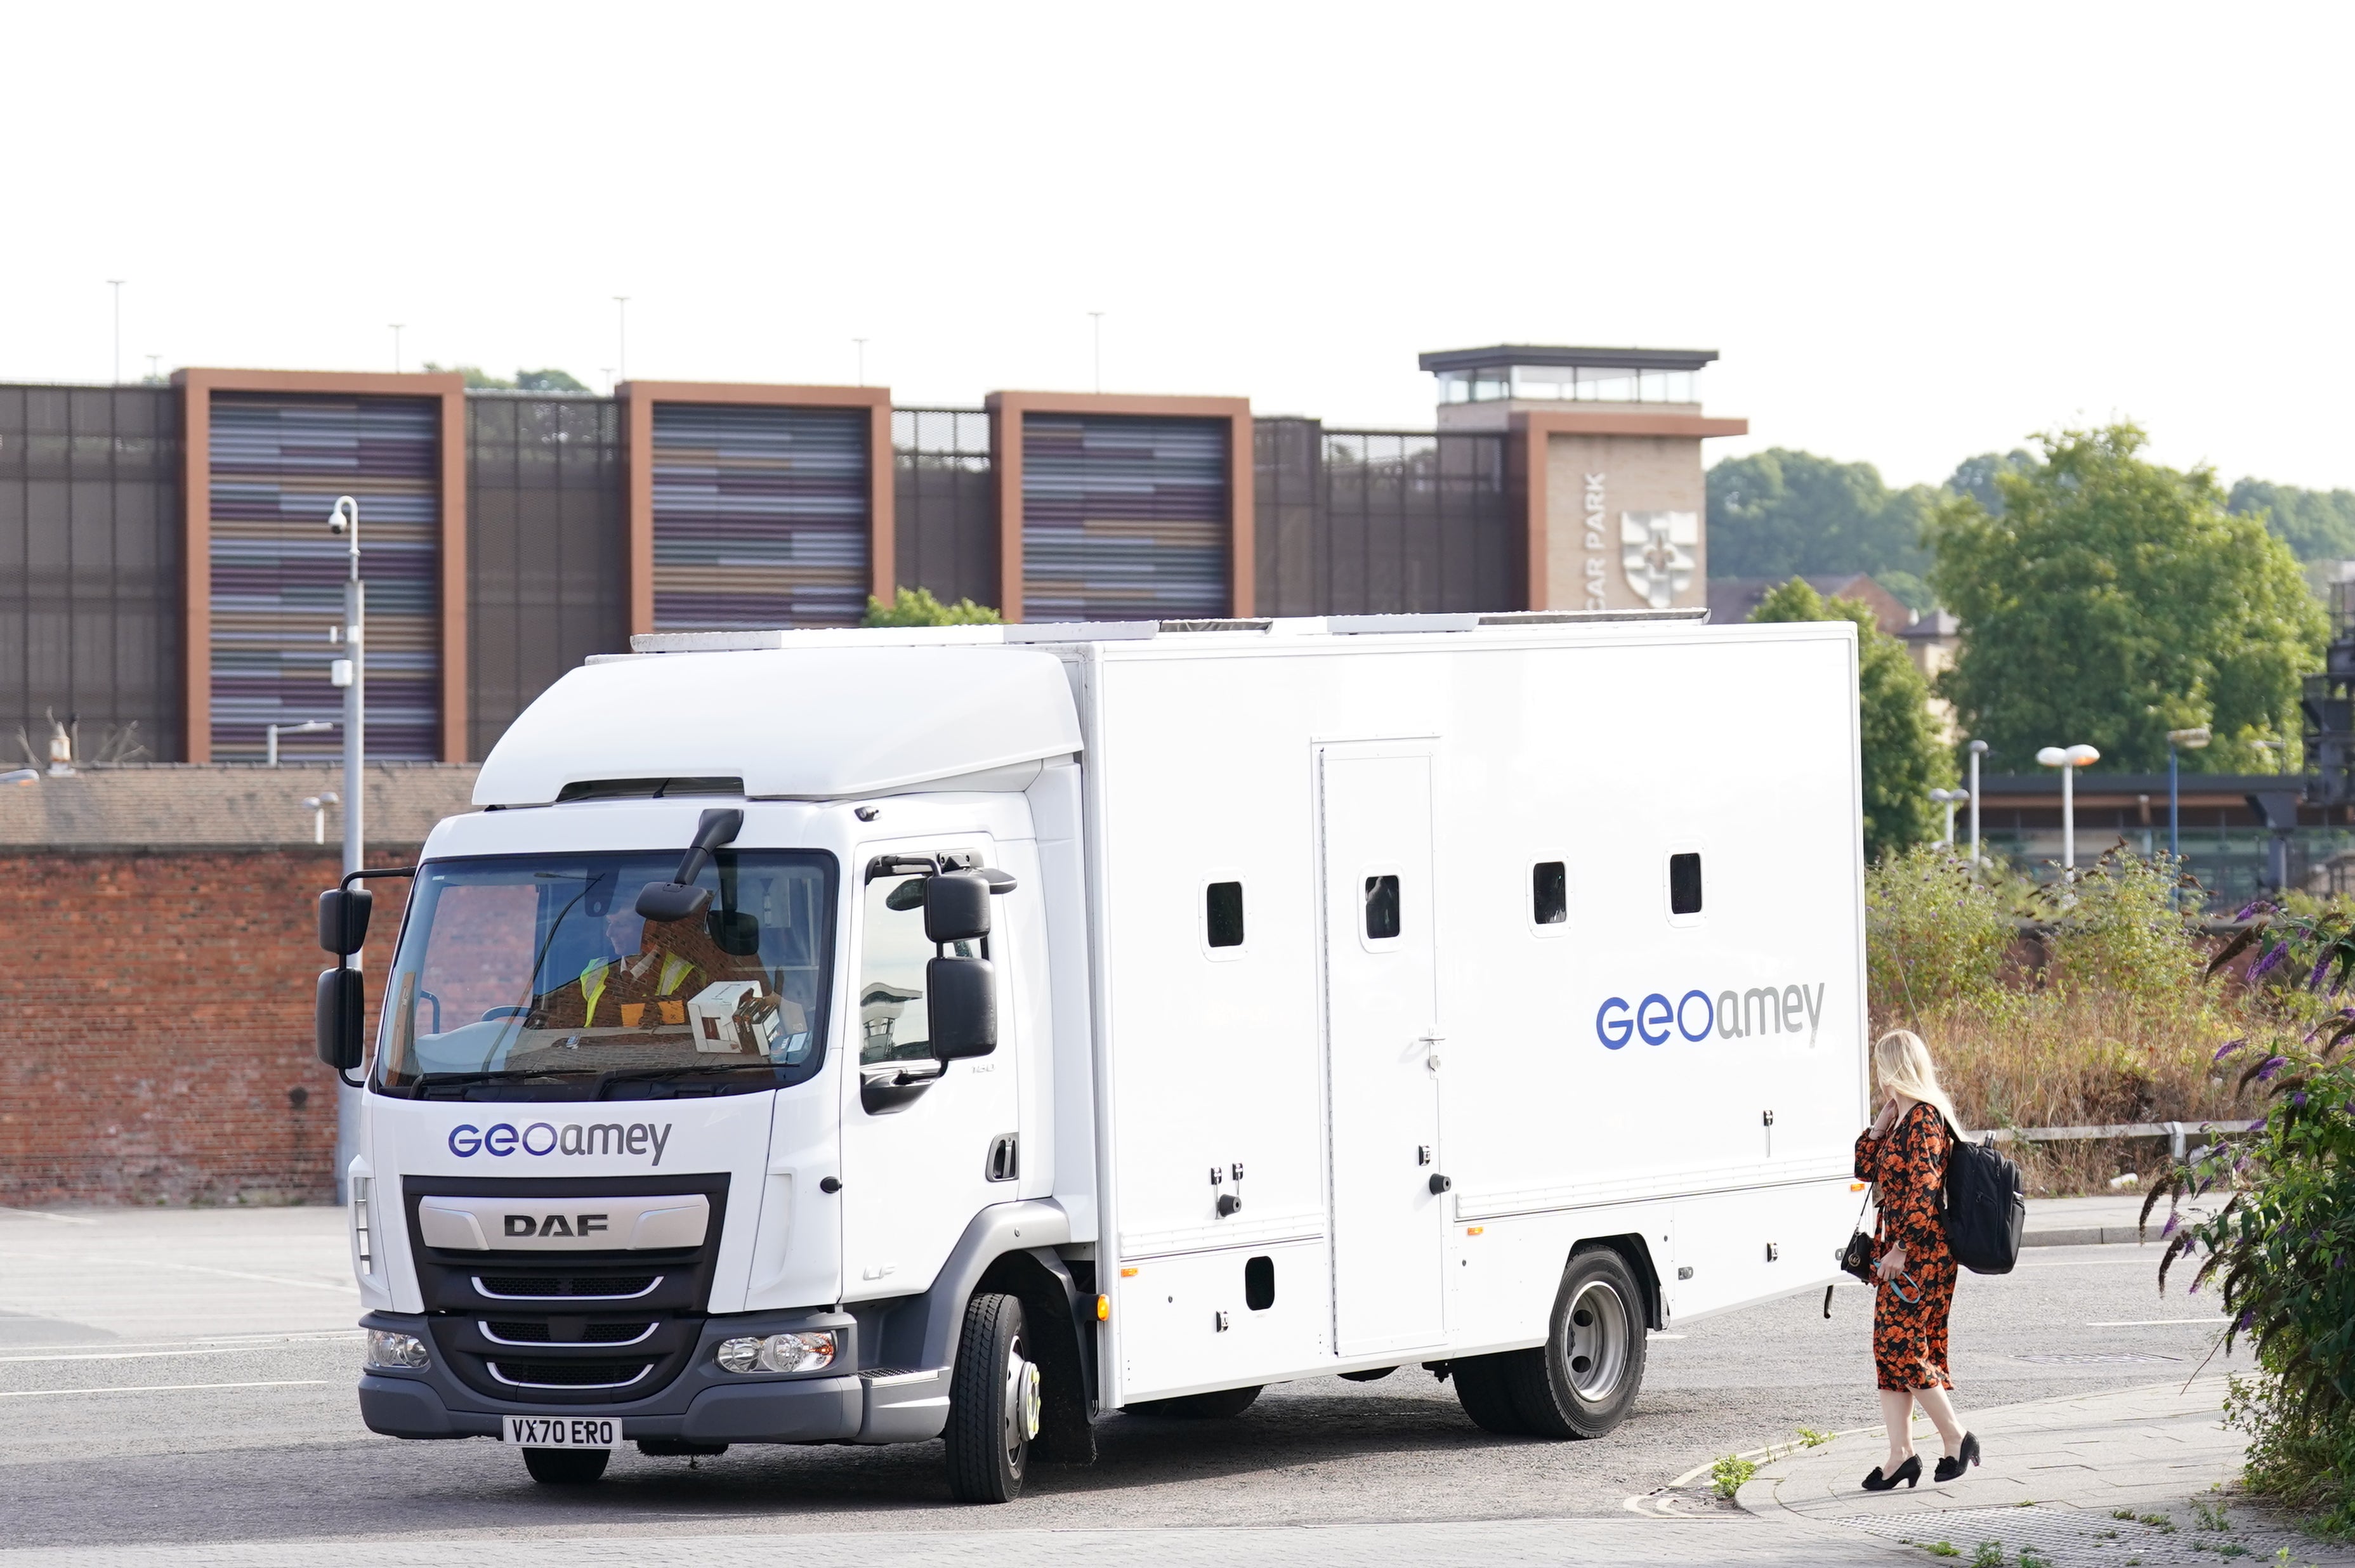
(52, 1219)
(264, 1278)
(157, 1388)
(2216, 1322)
(125, 1355)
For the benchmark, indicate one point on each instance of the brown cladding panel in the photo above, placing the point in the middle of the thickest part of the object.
(547, 566)
(90, 567)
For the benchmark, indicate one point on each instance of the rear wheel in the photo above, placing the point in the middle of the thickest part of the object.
(1216, 1406)
(1583, 1381)
(995, 1404)
(566, 1467)
(1482, 1387)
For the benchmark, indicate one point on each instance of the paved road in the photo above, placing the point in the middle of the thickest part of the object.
(169, 1379)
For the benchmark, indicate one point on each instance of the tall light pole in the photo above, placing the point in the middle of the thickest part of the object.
(1949, 798)
(350, 672)
(116, 284)
(2190, 739)
(2068, 760)
(622, 334)
(1977, 750)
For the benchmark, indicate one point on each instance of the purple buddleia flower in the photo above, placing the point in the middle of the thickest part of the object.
(2297, 1099)
(2272, 1064)
(2173, 1222)
(2321, 967)
(2280, 951)
(2248, 1316)
(2229, 1047)
(2250, 910)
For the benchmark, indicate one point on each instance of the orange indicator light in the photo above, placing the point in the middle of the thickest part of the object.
(1104, 1308)
(1474, 1230)
(1128, 1274)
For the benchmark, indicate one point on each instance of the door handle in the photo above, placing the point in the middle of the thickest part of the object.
(1431, 1043)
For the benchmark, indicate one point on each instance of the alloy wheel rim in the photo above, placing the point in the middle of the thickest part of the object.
(1599, 1336)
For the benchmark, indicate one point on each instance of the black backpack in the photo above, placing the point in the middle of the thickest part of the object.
(1983, 1206)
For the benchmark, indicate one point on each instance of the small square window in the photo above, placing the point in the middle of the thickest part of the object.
(1381, 908)
(1224, 910)
(1549, 892)
(1684, 884)
(1259, 1284)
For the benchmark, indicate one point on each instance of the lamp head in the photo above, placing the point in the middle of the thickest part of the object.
(2190, 740)
(2082, 756)
(2054, 757)
(1978, 748)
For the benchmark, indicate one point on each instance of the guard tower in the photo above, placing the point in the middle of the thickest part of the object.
(1607, 464)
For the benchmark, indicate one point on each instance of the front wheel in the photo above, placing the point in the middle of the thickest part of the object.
(1583, 1382)
(995, 1404)
(566, 1467)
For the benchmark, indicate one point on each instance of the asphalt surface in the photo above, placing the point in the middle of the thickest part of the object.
(168, 1378)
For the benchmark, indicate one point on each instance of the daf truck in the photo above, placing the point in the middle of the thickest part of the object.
(966, 1034)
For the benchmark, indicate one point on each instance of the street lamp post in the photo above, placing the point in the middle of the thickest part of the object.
(350, 672)
(1977, 750)
(308, 727)
(2068, 760)
(1949, 798)
(2190, 740)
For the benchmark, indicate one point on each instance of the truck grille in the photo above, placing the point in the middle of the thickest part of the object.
(513, 1332)
(595, 1327)
(549, 1287)
(570, 1375)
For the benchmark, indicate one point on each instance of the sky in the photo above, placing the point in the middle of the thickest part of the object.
(1913, 233)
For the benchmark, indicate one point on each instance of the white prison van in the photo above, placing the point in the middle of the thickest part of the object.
(875, 1037)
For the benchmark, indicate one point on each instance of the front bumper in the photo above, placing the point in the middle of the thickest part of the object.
(702, 1404)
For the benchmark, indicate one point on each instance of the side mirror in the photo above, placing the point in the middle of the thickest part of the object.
(342, 1015)
(956, 906)
(343, 920)
(963, 997)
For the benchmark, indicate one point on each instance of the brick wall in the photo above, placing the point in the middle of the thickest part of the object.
(155, 1033)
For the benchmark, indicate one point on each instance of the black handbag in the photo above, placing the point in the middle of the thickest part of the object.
(1856, 1257)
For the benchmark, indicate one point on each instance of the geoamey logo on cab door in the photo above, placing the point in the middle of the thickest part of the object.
(539, 1139)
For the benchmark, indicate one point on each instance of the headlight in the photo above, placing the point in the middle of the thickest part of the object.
(778, 1353)
(401, 1352)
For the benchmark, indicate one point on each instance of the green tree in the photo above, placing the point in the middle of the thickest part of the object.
(917, 607)
(475, 375)
(1975, 476)
(2114, 600)
(548, 381)
(1781, 513)
(2317, 525)
(1903, 758)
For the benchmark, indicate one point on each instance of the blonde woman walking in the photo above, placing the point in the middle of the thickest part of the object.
(1904, 1153)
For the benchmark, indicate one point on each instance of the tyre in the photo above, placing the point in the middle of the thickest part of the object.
(566, 1467)
(995, 1404)
(1583, 1381)
(1482, 1387)
(1216, 1406)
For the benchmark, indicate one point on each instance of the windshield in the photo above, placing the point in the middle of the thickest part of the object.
(534, 976)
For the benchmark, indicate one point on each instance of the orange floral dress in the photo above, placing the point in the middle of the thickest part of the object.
(1908, 1167)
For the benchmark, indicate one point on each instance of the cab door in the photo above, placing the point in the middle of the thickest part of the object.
(924, 1147)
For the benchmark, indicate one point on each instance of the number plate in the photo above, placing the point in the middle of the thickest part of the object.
(565, 1431)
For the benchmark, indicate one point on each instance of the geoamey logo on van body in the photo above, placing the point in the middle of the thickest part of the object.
(540, 1139)
(1734, 1015)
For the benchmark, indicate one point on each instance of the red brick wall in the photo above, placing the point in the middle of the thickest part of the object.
(155, 1026)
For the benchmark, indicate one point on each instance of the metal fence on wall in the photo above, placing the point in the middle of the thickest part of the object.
(91, 569)
(547, 543)
(944, 493)
(1373, 522)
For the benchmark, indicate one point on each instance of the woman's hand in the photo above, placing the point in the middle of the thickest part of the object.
(1887, 1119)
(1891, 1263)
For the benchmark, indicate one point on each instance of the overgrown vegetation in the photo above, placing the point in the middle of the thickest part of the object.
(2051, 1006)
(2282, 1246)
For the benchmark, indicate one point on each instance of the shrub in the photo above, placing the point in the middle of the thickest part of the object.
(2283, 1247)
(1936, 935)
(917, 607)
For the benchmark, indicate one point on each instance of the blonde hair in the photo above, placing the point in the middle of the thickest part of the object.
(1903, 1064)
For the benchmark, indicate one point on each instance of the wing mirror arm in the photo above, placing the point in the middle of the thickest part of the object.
(342, 1010)
(680, 898)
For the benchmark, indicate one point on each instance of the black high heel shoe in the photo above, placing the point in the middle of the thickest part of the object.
(1909, 1473)
(1963, 1459)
